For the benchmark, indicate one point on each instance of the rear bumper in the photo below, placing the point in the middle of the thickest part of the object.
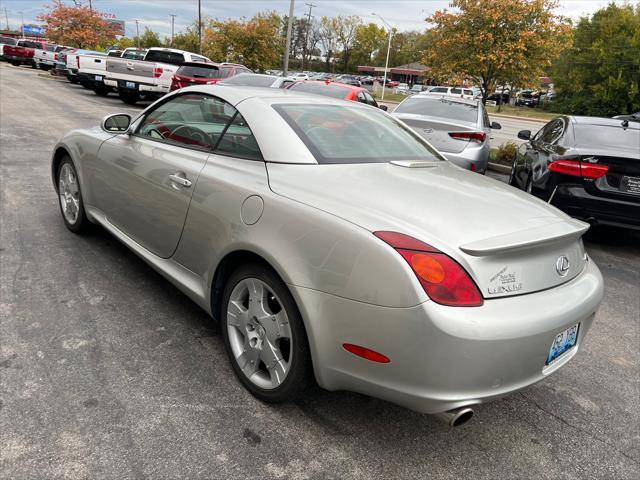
(471, 158)
(14, 58)
(574, 200)
(443, 358)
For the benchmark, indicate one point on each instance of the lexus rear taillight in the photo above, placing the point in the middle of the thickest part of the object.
(441, 277)
(478, 137)
(577, 169)
(157, 72)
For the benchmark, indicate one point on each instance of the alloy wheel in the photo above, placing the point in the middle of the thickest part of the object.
(69, 193)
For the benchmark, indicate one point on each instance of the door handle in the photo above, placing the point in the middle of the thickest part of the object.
(180, 180)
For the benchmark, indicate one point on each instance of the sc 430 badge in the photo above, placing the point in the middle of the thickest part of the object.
(507, 280)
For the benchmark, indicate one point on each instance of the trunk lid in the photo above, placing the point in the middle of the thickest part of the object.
(436, 131)
(510, 243)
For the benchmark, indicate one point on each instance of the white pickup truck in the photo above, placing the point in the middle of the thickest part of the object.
(92, 68)
(45, 58)
(150, 77)
(73, 62)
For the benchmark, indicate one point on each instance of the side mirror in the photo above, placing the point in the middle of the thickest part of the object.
(496, 126)
(524, 134)
(116, 123)
(384, 108)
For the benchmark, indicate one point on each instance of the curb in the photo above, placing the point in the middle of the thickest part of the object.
(496, 167)
(514, 117)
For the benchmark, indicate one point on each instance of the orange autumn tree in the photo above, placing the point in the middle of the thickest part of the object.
(486, 41)
(77, 26)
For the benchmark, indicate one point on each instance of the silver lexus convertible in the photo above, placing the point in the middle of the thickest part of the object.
(333, 243)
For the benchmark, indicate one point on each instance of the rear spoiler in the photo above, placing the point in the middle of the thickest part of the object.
(531, 237)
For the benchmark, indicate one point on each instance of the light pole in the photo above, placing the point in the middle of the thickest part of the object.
(22, 16)
(199, 27)
(286, 47)
(137, 34)
(386, 64)
(173, 20)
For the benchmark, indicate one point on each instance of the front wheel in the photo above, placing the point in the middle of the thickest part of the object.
(70, 198)
(264, 335)
(101, 90)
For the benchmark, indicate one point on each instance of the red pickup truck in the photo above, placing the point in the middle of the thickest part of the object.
(22, 52)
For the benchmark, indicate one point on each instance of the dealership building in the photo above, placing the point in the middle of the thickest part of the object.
(410, 73)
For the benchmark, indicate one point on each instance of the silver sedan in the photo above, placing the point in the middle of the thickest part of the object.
(460, 129)
(334, 244)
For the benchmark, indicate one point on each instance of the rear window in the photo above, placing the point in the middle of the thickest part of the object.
(468, 92)
(29, 44)
(134, 54)
(597, 136)
(339, 134)
(439, 90)
(161, 56)
(435, 107)
(334, 91)
(50, 48)
(199, 72)
(247, 80)
(8, 40)
(456, 91)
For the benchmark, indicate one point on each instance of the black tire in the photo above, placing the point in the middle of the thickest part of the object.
(15, 64)
(129, 97)
(299, 377)
(101, 90)
(72, 79)
(82, 224)
(45, 68)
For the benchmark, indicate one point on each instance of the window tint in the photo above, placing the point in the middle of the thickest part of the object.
(192, 120)
(8, 40)
(552, 131)
(456, 91)
(197, 71)
(114, 53)
(196, 58)
(369, 99)
(436, 107)
(162, 56)
(343, 134)
(439, 90)
(249, 80)
(134, 54)
(238, 141)
(334, 91)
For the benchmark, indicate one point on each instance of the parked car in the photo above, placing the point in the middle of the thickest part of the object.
(392, 84)
(403, 88)
(589, 167)
(499, 98)
(458, 128)
(451, 91)
(331, 242)
(527, 98)
(337, 90)
(22, 52)
(349, 80)
(72, 60)
(418, 89)
(60, 65)
(200, 73)
(45, 58)
(6, 41)
(151, 77)
(297, 76)
(257, 80)
(92, 68)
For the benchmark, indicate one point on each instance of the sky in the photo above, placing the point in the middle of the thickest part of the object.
(402, 14)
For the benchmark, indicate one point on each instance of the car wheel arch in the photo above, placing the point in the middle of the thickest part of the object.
(60, 153)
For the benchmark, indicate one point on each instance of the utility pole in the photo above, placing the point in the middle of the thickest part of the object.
(200, 26)
(288, 45)
(6, 18)
(173, 20)
(22, 28)
(137, 34)
(90, 6)
(306, 37)
(386, 64)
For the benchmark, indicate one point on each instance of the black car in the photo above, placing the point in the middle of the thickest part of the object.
(527, 99)
(502, 98)
(588, 167)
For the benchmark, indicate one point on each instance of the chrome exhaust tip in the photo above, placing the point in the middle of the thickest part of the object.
(457, 416)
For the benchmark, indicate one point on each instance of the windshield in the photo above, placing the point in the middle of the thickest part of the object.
(334, 91)
(436, 107)
(342, 134)
(248, 80)
(196, 71)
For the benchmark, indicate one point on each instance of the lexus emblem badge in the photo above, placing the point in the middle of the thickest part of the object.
(562, 266)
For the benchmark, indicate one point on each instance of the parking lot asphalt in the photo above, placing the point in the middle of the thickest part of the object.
(108, 371)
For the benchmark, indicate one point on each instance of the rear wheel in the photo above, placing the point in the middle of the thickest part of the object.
(72, 79)
(129, 97)
(15, 64)
(70, 197)
(101, 90)
(264, 335)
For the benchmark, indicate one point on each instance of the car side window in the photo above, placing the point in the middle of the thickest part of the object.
(360, 97)
(552, 131)
(369, 99)
(191, 120)
(238, 140)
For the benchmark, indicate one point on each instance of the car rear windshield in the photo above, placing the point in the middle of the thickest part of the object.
(597, 136)
(134, 54)
(50, 47)
(161, 56)
(197, 71)
(342, 134)
(8, 40)
(334, 91)
(436, 107)
(247, 80)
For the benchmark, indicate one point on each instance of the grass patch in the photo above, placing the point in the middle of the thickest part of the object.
(524, 112)
(390, 97)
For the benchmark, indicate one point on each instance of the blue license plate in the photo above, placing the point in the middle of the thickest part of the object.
(562, 342)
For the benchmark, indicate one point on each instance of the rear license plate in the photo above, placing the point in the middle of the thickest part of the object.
(630, 184)
(130, 85)
(98, 78)
(563, 342)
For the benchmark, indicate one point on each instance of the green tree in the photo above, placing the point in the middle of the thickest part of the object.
(255, 43)
(490, 40)
(369, 40)
(600, 74)
(187, 40)
(148, 39)
(124, 42)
